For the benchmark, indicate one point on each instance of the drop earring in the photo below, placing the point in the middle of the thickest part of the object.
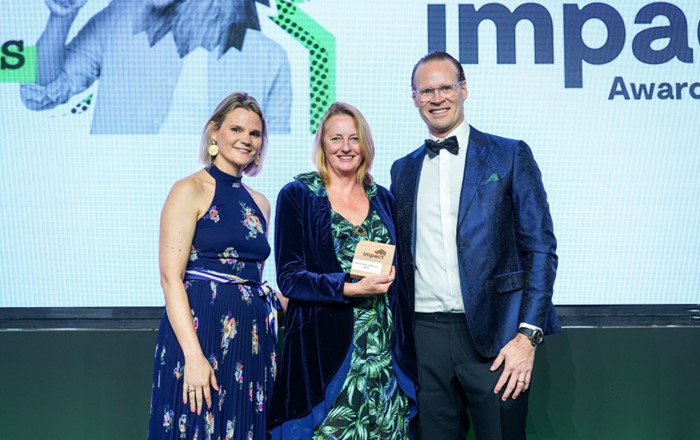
(257, 161)
(212, 149)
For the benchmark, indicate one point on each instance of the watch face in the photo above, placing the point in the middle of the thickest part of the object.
(537, 336)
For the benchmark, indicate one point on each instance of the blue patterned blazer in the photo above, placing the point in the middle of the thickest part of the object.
(506, 248)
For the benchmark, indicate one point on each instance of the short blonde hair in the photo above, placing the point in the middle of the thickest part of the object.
(363, 132)
(229, 104)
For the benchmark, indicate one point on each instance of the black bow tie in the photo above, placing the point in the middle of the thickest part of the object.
(433, 147)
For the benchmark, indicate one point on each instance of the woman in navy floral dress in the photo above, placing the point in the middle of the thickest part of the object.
(215, 359)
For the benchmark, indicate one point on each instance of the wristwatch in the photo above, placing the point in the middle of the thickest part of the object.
(534, 335)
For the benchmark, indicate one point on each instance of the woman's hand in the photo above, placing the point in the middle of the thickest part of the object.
(199, 379)
(63, 8)
(370, 286)
(282, 299)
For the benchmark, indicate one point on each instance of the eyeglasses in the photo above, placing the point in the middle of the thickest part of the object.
(446, 91)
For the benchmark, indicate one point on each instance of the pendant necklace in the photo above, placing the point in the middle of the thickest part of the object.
(359, 230)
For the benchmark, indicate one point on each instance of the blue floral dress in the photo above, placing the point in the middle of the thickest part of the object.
(234, 317)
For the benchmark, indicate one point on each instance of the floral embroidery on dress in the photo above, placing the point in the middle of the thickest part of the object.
(254, 335)
(182, 426)
(230, 256)
(229, 239)
(195, 320)
(228, 332)
(213, 214)
(230, 429)
(251, 221)
(273, 365)
(222, 398)
(178, 370)
(209, 424)
(239, 374)
(213, 362)
(168, 419)
(259, 398)
(213, 287)
(246, 293)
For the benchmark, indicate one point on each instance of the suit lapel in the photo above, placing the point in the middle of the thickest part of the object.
(478, 153)
(409, 188)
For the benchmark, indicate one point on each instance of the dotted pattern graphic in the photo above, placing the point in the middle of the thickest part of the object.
(82, 106)
(321, 46)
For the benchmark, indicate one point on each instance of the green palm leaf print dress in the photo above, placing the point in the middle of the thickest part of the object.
(370, 405)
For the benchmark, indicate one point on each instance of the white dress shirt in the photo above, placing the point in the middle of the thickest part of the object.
(438, 287)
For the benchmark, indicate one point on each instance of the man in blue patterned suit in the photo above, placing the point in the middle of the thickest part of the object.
(480, 255)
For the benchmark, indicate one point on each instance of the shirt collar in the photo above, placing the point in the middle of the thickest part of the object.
(461, 131)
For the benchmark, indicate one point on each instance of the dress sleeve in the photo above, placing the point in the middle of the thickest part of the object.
(299, 254)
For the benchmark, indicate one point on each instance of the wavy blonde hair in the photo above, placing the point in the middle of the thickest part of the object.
(363, 132)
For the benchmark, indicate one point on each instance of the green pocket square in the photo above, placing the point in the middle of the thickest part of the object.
(492, 178)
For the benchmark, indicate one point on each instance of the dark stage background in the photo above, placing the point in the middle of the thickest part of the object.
(594, 383)
(615, 381)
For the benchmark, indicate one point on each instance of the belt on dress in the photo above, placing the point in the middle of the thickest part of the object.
(267, 293)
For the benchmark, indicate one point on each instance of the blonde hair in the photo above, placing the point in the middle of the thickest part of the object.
(229, 104)
(363, 132)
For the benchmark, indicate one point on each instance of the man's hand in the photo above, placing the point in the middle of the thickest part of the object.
(517, 358)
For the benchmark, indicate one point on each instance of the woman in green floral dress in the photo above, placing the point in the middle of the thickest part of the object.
(347, 369)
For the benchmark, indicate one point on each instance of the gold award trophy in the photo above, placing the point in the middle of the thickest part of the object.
(371, 259)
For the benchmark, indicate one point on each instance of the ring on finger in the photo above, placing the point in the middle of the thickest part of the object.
(190, 390)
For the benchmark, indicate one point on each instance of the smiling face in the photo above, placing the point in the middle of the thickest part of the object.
(239, 139)
(441, 115)
(341, 145)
